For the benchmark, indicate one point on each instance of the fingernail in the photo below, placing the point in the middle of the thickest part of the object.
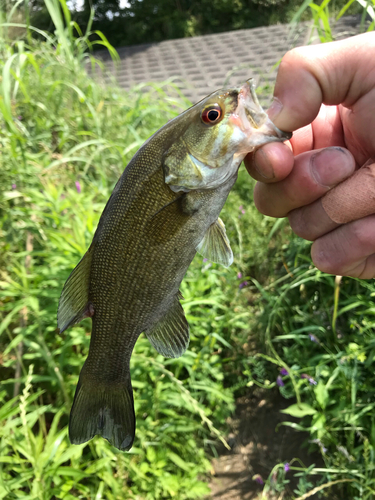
(275, 108)
(331, 166)
(263, 165)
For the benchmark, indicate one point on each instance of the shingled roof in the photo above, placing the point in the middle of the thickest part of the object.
(202, 64)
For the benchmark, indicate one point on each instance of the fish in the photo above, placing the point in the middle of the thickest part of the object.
(164, 208)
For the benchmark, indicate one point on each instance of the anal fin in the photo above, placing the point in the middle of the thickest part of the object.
(74, 302)
(215, 245)
(170, 335)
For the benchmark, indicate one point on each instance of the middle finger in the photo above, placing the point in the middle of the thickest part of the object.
(314, 173)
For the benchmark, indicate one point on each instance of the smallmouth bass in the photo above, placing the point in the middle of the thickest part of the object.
(164, 208)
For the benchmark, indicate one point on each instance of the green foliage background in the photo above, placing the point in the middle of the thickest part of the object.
(145, 21)
(64, 141)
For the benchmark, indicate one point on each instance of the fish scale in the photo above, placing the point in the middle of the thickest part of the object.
(163, 210)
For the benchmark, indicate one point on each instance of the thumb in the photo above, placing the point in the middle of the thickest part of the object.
(332, 73)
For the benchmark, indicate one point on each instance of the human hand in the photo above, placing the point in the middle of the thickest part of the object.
(326, 94)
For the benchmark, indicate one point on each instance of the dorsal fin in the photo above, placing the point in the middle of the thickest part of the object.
(170, 335)
(215, 245)
(74, 302)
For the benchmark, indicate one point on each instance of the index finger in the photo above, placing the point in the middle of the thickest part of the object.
(332, 73)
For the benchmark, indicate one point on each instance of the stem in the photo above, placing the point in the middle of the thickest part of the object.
(322, 487)
(336, 296)
(281, 363)
(189, 397)
(23, 319)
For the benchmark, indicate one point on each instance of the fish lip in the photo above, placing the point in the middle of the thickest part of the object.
(249, 111)
(256, 117)
(282, 134)
(247, 91)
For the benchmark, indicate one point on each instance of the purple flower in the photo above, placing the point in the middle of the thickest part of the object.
(206, 267)
(279, 381)
(287, 467)
(14, 186)
(205, 260)
(78, 186)
(310, 379)
(313, 338)
(243, 284)
(239, 276)
(258, 478)
(323, 449)
(284, 372)
(20, 118)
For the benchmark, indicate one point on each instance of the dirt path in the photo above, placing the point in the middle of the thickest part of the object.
(257, 447)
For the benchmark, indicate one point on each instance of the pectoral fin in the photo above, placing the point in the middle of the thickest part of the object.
(170, 335)
(166, 222)
(215, 245)
(74, 302)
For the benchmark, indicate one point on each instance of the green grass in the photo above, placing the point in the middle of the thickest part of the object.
(64, 141)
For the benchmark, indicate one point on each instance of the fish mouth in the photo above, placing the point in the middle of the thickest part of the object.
(254, 121)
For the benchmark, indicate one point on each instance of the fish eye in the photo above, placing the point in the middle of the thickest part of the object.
(211, 114)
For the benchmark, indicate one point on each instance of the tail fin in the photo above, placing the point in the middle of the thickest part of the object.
(104, 409)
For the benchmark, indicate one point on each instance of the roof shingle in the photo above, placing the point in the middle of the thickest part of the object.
(201, 64)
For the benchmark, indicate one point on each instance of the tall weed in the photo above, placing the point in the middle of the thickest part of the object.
(325, 15)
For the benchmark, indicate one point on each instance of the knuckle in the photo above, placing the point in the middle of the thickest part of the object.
(322, 261)
(298, 223)
(367, 270)
(263, 200)
(360, 233)
(327, 255)
(305, 224)
(370, 169)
